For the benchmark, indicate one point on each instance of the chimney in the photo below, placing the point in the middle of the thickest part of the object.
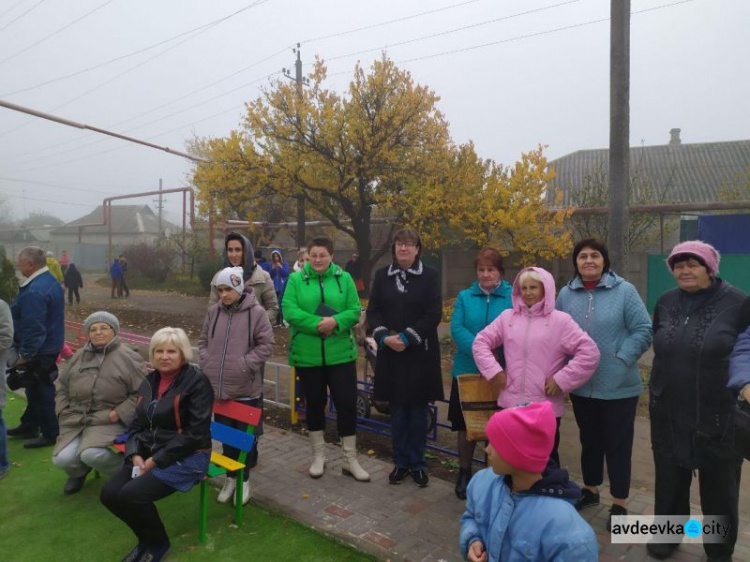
(674, 137)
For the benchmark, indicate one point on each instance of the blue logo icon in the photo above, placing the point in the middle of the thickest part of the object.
(693, 528)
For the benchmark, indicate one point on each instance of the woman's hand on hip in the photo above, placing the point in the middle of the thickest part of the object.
(551, 388)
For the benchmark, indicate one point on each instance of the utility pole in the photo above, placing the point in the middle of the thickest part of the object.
(300, 80)
(160, 207)
(619, 134)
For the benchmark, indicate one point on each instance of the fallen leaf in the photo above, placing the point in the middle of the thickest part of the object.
(305, 496)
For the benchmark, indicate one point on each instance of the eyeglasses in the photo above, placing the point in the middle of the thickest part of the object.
(405, 244)
(100, 330)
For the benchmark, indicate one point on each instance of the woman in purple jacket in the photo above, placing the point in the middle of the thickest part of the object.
(235, 343)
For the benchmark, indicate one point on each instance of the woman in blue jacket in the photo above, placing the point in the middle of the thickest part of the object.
(279, 272)
(475, 308)
(610, 310)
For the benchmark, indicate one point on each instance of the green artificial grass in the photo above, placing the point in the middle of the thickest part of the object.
(39, 523)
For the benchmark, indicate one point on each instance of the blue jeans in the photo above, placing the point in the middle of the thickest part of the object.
(40, 409)
(4, 464)
(409, 435)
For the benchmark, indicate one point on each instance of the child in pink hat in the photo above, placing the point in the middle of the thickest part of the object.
(519, 508)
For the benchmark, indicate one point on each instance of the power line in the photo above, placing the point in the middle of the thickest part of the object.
(13, 7)
(57, 185)
(388, 22)
(457, 29)
(47, 200)
(132, 68)
(11, 22)
(200, 28)
(60, 30)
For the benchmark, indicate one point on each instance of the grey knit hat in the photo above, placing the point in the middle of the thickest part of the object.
(102, 316)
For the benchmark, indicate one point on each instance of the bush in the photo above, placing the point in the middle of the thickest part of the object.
(151, 261)
(207, 270)
(8, 279)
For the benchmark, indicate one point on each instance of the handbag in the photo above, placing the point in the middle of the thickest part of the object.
(742, 429)
(478, 402)
(21, 376)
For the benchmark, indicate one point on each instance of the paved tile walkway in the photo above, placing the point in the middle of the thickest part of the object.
(405, 522)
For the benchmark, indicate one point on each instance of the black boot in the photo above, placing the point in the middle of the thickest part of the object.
(464, 475)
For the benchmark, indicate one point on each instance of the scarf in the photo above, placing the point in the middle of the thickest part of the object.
(395, 270)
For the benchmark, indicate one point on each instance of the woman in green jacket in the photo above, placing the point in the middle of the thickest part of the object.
(321, 305)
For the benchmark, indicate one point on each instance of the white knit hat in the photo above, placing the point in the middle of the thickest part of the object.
(232, 278)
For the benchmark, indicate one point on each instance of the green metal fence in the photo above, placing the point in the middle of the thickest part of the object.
(733, 268)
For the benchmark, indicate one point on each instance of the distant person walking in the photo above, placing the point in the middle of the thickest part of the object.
(124, 281)
(64, 261)
(354, 268)
(115, 271)
(73, 282)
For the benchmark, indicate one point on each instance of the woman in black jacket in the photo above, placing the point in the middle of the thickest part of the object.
(169, 443)
(404, 311)
(695, 328)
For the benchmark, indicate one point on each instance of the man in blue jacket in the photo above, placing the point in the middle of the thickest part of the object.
(39, 331)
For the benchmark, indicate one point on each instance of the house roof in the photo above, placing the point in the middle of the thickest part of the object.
(126, 219)
(690, 173)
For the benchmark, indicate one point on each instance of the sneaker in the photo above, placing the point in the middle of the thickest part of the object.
(420, 478)
(587, 499)
(245, 494)
(74, 484)
(135, 554)
(615, 510)
(228, 490)
(155, 553)
(397, 475)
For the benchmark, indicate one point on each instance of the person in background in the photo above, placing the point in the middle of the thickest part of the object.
(54, 267)
(546, 353)
(321, 305)
(6, 342)
(611, 312)
(169, 443)
(739, 367)
(95, 401)
(238, 252)
(73, 282)
(404, 312)
(521, 507)
(279, 272)
(115, 271)
(235, 342)
(124, 280)
(39, 329)
(354, 268)
(64, 261)
(475, 308)
(301, 259)
(696, 326)
(261, 261)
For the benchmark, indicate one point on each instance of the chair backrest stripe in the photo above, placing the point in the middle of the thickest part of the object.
(230, 436)
(237, 411)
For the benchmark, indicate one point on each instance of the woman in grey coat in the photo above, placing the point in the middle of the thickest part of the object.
(95, 401)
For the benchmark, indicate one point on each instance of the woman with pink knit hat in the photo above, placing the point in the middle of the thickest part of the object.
(696, 326)
(519, 508)
(546, 352)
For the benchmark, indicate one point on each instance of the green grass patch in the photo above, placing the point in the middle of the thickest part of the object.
(39, 522)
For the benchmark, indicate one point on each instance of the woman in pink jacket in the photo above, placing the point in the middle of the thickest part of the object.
(546, 352)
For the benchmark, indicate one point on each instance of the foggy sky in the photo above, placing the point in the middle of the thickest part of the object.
(535, 86)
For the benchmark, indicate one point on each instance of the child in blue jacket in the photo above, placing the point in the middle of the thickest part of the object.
(517, 509)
